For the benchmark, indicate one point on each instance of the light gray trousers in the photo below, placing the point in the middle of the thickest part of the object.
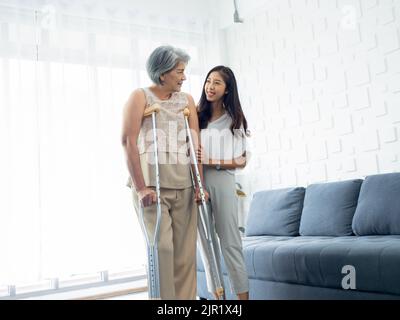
(221, 187)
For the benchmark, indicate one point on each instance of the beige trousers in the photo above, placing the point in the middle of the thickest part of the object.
(177, 241)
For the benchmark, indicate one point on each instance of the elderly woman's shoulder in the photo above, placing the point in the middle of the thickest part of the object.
(137, 96)
(188, 96)
(138, 92)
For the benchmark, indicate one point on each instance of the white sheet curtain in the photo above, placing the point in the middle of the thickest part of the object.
(64, 78)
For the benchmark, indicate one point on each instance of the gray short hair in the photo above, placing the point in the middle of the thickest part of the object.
(163, 59)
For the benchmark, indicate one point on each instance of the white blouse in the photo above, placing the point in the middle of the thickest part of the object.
(218, 141)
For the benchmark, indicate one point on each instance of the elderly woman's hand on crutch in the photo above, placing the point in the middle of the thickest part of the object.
(199, 156)
(197, 195)
(147, 196)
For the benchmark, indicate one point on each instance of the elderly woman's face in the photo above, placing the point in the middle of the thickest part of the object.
(174, 78)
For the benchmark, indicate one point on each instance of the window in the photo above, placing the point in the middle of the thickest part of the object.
(64, 206)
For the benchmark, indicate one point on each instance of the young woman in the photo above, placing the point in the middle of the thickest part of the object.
(178, 229)
(223, 135)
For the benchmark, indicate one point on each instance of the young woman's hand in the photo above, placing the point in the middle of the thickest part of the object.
(197, 196)
(147, 196)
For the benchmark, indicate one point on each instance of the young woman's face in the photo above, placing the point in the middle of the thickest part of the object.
(173, 79)
(215, 87)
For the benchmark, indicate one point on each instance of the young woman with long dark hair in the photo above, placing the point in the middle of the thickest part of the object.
(223, 150)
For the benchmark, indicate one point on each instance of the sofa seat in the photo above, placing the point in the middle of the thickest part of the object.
(318, 260)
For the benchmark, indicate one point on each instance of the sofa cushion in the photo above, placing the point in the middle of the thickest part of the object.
(318, 261)
(329, 208)
(378, 209)
(275, 212)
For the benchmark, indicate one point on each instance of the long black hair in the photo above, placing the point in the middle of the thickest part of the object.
(230, 100)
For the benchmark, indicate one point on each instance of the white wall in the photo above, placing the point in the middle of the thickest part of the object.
(320, 85)
(180, 9)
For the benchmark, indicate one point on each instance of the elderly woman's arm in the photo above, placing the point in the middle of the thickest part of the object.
(132, 120)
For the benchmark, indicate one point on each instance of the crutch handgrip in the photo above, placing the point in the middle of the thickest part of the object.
(150, 110)
(220, 293)
(186, 112)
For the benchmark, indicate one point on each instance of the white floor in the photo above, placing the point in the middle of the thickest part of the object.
(133, 296)
(108, 292)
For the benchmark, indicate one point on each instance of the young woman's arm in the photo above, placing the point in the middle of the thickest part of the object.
(237, 163)
(227, 164)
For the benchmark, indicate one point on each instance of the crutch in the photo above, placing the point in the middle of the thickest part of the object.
(208, 240)
(153, 272)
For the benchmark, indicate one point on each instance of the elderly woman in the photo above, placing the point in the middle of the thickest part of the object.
(177, 238)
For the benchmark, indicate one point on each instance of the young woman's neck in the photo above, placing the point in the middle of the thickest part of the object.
(217, 108)
(162, 92)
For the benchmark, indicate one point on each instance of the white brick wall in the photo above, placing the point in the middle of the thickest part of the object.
(320, 85)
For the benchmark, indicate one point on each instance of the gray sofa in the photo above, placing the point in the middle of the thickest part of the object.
(337, 240)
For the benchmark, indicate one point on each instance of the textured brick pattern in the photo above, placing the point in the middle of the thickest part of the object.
(320, 84)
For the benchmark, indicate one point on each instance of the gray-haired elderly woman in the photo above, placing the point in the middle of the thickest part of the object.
(178, 230)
